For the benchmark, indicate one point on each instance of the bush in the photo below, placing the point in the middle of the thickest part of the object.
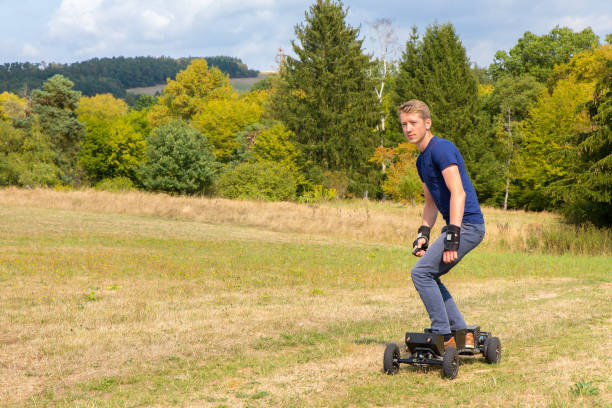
(264, 180)
(179, 160)
(115, 184)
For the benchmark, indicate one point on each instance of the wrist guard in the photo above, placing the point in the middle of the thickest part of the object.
(451, 241)
(423, 233)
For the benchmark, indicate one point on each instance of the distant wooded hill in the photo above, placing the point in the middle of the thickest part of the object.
(110, 75)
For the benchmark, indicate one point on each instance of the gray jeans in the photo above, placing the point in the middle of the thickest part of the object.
(443, 311)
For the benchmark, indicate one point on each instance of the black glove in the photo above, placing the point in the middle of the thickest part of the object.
(423, 233)
(451, 241)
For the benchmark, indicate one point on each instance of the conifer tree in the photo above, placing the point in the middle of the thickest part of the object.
(54, 106)
(326, 97)
(436, 70)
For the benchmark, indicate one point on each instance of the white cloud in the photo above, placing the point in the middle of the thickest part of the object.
(155, 20)
(30, 51)
(601, 23)
(92, 27)
(75, 17)
(67, 30)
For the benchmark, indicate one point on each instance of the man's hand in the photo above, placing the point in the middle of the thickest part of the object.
(417, 248)
(451, 243)
(449, 256)
(420, 245)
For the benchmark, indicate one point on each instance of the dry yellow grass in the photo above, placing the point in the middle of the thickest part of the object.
(373, 221)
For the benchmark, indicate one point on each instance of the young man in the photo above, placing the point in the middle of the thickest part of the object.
(448, 189)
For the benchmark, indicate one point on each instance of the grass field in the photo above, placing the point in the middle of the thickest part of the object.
(121, 300)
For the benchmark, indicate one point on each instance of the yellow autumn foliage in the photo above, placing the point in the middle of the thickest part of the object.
(587, 66)
(12, 106)
(194, 88)
(221, 118)
(102, 106)
(403, 182)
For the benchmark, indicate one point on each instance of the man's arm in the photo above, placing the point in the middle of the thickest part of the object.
(452, 178)
(430, 213)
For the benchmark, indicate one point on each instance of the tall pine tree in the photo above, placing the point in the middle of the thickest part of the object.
(326, 97)
(55, 107)
(436, 70)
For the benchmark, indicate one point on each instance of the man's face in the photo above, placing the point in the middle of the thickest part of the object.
(414, 126)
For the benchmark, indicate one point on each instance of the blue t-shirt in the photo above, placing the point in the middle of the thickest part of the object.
(438, 155)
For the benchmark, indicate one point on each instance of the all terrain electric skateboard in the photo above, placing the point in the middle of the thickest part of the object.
(427, 349)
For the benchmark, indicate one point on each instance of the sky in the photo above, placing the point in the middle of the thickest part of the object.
(253, 30)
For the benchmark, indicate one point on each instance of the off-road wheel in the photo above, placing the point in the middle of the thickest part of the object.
(450, 363)
(492, 350)
(390, 363)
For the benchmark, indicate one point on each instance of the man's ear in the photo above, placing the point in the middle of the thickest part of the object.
(427, 124)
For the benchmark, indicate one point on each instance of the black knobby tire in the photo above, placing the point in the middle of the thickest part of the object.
(390, 363)
(450, 363)
(492, 351)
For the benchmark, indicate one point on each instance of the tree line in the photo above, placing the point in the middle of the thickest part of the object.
(110, 75)
(535, 127)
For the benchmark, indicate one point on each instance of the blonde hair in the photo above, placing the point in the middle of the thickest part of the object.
(415, 106)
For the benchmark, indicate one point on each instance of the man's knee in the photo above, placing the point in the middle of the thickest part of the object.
(419, 274)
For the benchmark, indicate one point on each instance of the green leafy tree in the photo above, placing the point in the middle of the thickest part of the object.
(402, 182)
(274, 144)
(271, 141)
(204, 96)
(54, 107)
(537, 55)
(326, 96)
(550, 139)
(509, 103)
(145, 101)
(114, 141)
(112, 148)
(547, 135)
(193, 88)
(11, 138)
(26, 159)
(436, 70)
(221, 118)
(587, 189)
(179, 159)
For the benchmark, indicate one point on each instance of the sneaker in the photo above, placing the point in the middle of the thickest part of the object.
(450, 343)
(469, 340)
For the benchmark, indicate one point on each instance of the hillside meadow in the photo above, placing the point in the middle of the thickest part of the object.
(138, 299)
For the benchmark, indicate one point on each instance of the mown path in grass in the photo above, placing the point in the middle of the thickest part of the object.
(116, 310)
